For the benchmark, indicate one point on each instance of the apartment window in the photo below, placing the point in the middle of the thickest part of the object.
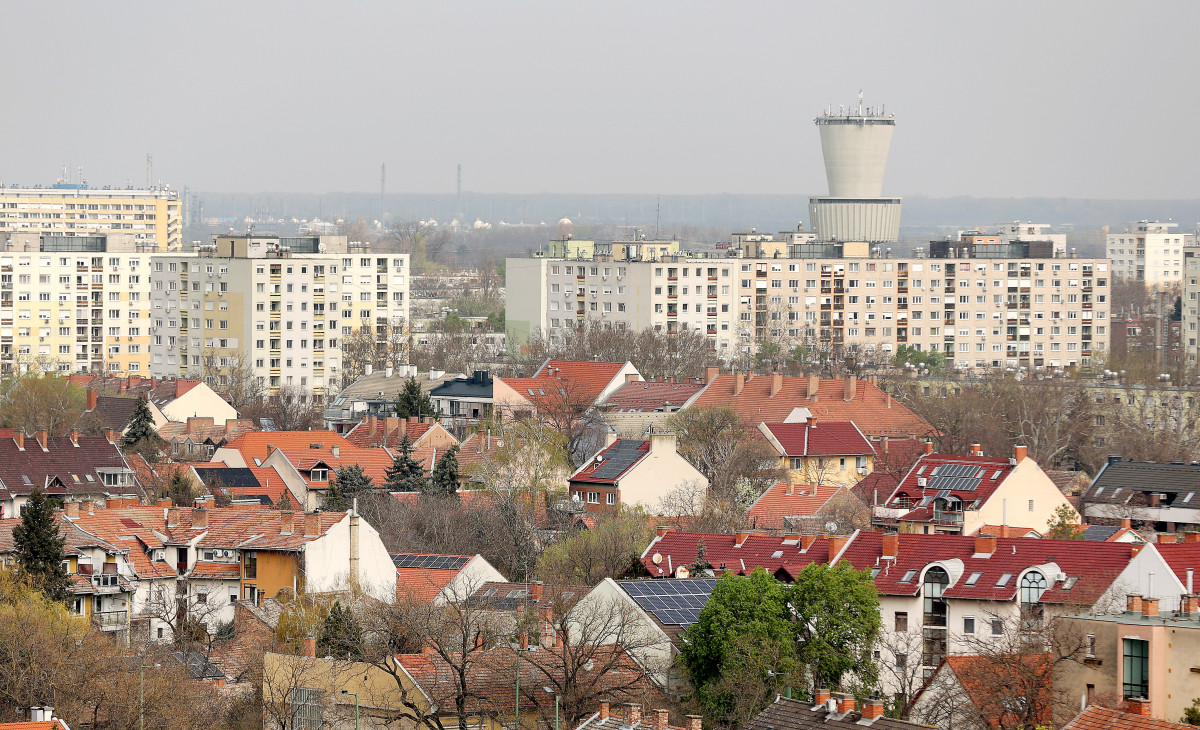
(997, 627)
(1137, 668)
(250, 564)
(901, 621)
(610, 498)
(308, 711)
(968, 624)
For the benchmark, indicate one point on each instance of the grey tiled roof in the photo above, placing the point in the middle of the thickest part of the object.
(1118, 480)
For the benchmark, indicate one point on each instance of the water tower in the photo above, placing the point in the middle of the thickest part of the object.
(855, 144)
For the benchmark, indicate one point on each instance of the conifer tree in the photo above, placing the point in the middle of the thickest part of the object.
(341, 635)
(445, 475)
(406, 473)
(348, 481)
(335, 499)
(40, 548)
(412, 402)
(141, 425)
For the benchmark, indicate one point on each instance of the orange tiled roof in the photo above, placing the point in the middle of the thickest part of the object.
(590, 378)
(253, 444)
(775, 504)
(1106, 718)
(871, 409)
(387, 433)
(204, 569)
(422, 585)
(474, 449)
(33, 725)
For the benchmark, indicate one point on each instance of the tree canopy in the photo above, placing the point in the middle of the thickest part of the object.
(412, 402)
(341, 634)
(349, 480)
(40, 548)
(141, 425)
(444, 481)
(836, 610)
(406, 473)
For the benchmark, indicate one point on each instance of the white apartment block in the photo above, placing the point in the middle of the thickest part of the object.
(147, 218)
(1190, 321)
(278, 305)
(982, 313)
(1149, 251)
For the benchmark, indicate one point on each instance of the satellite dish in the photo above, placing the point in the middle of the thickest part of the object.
(832, 526)
(657, 558)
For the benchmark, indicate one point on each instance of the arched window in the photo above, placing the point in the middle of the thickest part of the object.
(1033, 585)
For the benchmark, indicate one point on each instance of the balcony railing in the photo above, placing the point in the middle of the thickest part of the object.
(110, 620)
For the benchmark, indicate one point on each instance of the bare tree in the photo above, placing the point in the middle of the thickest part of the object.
(33, 403)
(293, 408)
(233, 376)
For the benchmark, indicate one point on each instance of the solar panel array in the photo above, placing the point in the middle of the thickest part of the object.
(617, 458)
(957, 477)
(435, 562)
(676, 602)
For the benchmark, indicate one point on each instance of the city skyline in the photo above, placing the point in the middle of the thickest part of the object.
(1020, 100)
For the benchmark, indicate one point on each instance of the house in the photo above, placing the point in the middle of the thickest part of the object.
(390, 431)
(257, 485)
(1144, 655)
(1167, 495)
(680, 554)
(40, 718)
(559, 386)
(198, 438)
(827, 711)
(1107, 718)
(374, 394)
(820, 452)
(1112, 533)
(641, 404)
(596, 380)
(438, 579)
(169, 400)
(783, 505)
(638, 472)
(971, 692)
(1183, 557)
(71, 466)
(631, 717)
(958, 494)
(465, 399)
(772, 398)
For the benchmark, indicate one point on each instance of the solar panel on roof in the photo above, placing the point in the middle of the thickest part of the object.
(672, 602)
(433, 562)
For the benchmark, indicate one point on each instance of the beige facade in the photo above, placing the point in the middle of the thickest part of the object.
(1149, 251)
(147, 217)
(278, 306)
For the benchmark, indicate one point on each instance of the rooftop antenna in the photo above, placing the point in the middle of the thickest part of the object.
(149, 171)
(458, 213)
(860, 102)
(657, 216)
(382, 186)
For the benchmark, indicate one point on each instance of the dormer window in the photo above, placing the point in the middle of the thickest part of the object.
(319, 475)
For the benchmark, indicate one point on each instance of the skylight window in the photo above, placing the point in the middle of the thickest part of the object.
(995, 475)
(1070, 583)
(1003, 580)
(908, 576)
(922, 469)
(874, 573)
(1098, 492)
(777, 554)
(974, 578)
(1189, 496)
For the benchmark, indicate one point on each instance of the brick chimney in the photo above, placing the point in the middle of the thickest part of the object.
(199, 518)
(928, 448)
(1139, 706)
(791, 489)
(976, 450)
(661, 718)
(163, 503)
(1191, 536)
(891, 546)
(109, 436)
(312, 523)
(985, 545)
(285, 521)
(173, 517)
(633, 713)
(1133, 602)
(846, 704)
(1126, 523)
(662, 530)
(631, 377)
(739, 382)
(710, 374)
(71, 509)
(1149, 606)
(835, 546)
(604, 706)
(42, 437)
(887, 399)
(851, 387)
(883, 443)
(195, 422)
(1167, 537)
(1020, 451)
(872, 709)
(74, 436)
(822, 696)
(814, 385)
(92, 397)
(806, 542)
(19, 438)
(535, 589)
(776, 384)
(310, 648)
(87, 507)
(695, 722)
(1190, 603)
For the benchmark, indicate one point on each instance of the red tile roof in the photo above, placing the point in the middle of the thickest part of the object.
(645, 396)
(219, 571)
(475, 449)
(361, 436)
(588, 378)
(33, 725)
(613, 463)
(253, 445)
(75, 466)
(989, 471)
(740, 553)
(308, 449)
(871, 408)
(1106, 718)
(1181, 556)
(422, 585)
(978, 677)
(825, 438)
(775, 504)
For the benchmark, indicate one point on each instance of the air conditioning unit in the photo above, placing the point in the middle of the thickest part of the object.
(922, 482)
(862, 470)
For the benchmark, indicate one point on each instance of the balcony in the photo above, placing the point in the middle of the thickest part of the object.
(110, 620)
(948, 518)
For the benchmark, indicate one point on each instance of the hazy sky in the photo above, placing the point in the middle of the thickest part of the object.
(1075, 99)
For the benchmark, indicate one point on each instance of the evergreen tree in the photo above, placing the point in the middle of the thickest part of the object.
(445, 475)
(141, 425)
(341, 635)
(406, 473)
(335, 498)
(286, 502)
(414, 402)
(40, 548)
(180, 490)
(349, 480)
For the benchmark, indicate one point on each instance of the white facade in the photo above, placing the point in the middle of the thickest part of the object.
(1149, 251)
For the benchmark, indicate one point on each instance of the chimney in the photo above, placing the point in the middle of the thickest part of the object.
(662, 530)
(661, 718)
(368, 369)
(1139, 706)
(195, 422)
(1149, 606)
(72, 509)
(1126, 523)
(1191, 603)
(739, 382)
(92, 397)
(891, 546)
(173, 517)
(336, 451)
(791, 489)
(19, 438)
(776, 383)
(285, 521)
(806, 542)
(1020, 452)
(372, 426)
(199, 518)
(163, 503)
(631, 377)
(888, 399)
(976, 450)
(872, 709)
(883, 443)
(604, 705)
(1191, 536)
(310, 648)
(1165, 537)
(710, 374)
(87, 507)
(633, 713)
(812, 421)
(846, 704)
(835, 546)
(535, 589)
(1133, 603)
(928, 448)
(985, 545)
(822, 696)
(109, 436)
(695, 722)
(74, 435)
(42, 437)
(312, 523)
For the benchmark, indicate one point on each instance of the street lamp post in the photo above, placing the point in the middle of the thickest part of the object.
(348, 692)
(142, 694)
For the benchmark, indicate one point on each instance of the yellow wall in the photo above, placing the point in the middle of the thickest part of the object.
(276, 571)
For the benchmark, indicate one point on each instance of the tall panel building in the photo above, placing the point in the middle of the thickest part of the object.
(1149, 251)
(855, 145)
(146, 218)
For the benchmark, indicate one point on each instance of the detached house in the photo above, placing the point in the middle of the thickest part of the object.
(820, 452)
(944, 493)
(71, 466)
(1167, 495)
(636, 471)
